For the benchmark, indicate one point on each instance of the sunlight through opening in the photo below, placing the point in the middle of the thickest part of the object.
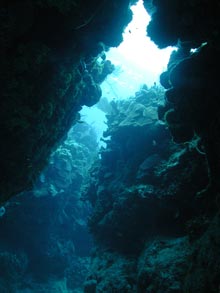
(137, 61)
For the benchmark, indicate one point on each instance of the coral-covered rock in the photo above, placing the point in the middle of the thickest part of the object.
(191, 76)
(191, 105)
(162, 265)
(111, 272)
(144, 183)
(203, 274)
(44, 48)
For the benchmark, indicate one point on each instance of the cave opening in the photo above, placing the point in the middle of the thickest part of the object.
(137, 61)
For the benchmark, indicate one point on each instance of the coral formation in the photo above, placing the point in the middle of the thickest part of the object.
(140, 145)
(146, 218)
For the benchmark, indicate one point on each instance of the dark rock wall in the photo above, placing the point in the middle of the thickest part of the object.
(192, 109)
(194, 22)
(45, 49)
(192, 97)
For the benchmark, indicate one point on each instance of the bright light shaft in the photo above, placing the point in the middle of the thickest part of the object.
(139, 59)
(138, 48)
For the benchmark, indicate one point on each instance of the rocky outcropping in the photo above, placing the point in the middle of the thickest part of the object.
(147, 218)
(192, 99)
(142, 172)
(48, 71)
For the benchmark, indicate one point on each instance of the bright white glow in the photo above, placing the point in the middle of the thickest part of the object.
(137, 58)
(138, 61)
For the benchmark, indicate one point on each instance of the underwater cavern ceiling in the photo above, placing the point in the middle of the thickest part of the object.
(49, 71)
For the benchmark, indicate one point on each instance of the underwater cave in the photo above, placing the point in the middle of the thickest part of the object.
(110, 164)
